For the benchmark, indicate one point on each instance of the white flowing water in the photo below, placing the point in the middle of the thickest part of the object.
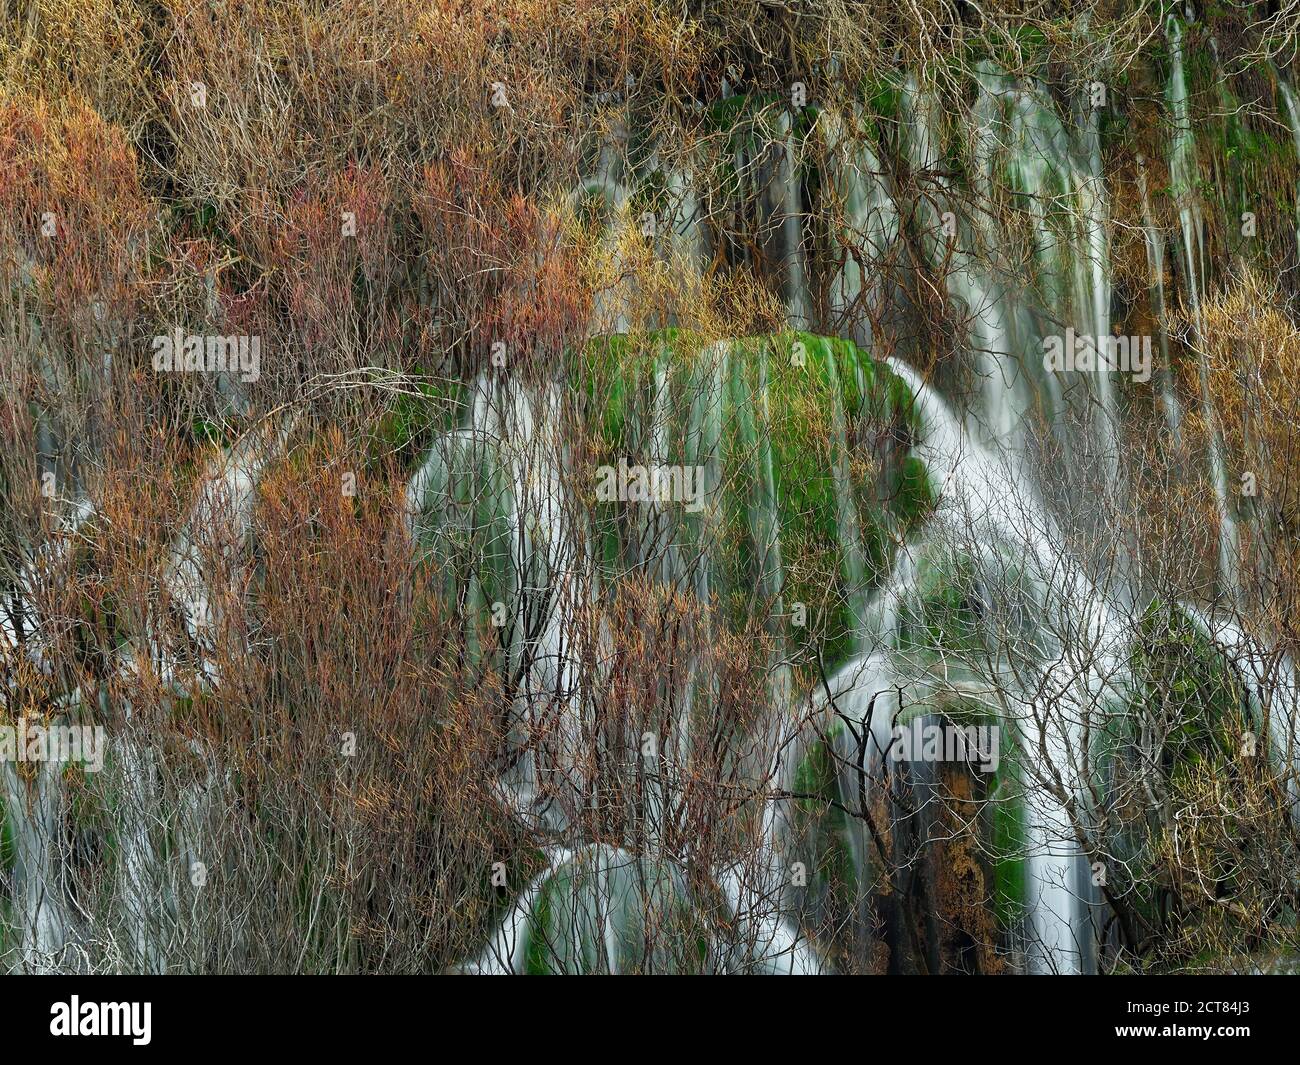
(870, 219)
(1293, 121)
(1154, 240)
(1271, 683)
(1184, 172)
(205, 559)
(516, 430)
(985, 502)
(1051, 691)
(144, 880)
(789, 211)
(41, 912)
(1003, 412)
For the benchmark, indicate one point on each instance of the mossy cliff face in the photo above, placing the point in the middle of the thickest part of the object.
(793, 449)
(672, 588)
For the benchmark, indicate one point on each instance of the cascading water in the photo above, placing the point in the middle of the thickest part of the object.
(1186, 178)
(1155, 246)
(1293, 120)
(803, 442)
(1005, 401)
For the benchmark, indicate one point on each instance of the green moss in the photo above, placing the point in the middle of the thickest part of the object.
(207, 433)
(838, 501)
(815, 778)
(1011, 48)
(884, 96)
(1009, 842)
(803, 438)
(537, 960)
(599, 901)
(805, 453)
(412, 419)
(605, 372)
(1185, 684)
(914, 497)
(6, 839)
(944, 617)
(825, 829)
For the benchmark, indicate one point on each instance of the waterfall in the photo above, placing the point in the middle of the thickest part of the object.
(205, 555)
(1091, 194)
(516, 430)
(607, 185)
(1186, 178)
(984, 501)
(1293, 120)
(1270, 681)
(41, 910)
(676, 719)
(1055, 170)
(522, 424)
(1074, 673)
(790, 214)
(1155, 248)
(507, 951)
(1005, 400)
(870, 216)
(51, 923)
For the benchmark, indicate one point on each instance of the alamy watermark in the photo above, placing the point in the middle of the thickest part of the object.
(77, 1018)
(934, 742)
(1088, 354)
(181, 353)
(651, 484)
(53, 743)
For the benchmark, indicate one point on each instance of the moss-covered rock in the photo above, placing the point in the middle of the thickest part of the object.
(605, 910)
(802, 440)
